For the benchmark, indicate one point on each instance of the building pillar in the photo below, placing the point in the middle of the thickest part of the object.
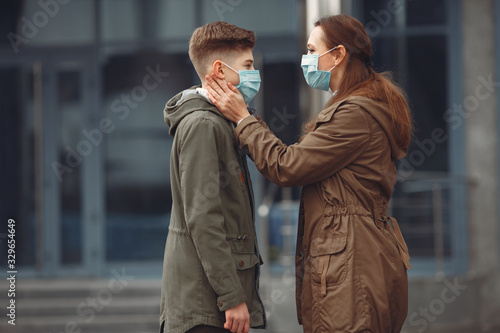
(481, 137)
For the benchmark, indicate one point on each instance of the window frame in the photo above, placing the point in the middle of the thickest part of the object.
(457, 262)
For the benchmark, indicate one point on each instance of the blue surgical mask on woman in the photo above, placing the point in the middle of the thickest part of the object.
(249, 83)
(314, 77)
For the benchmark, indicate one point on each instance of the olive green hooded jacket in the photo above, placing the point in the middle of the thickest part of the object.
(211, 260)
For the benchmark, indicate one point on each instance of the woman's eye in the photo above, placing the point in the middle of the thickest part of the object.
(309, 51)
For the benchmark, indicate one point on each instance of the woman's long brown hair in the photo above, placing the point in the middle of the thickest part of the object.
(360, 79)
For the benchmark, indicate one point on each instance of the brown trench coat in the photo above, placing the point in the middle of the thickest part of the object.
(350, 264)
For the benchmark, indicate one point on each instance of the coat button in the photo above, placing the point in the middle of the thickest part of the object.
(300, 254)
(242, 263)
(220, 304)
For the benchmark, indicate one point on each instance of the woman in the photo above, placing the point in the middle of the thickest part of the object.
(350, 262)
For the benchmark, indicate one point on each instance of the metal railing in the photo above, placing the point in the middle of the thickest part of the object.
(430, 207)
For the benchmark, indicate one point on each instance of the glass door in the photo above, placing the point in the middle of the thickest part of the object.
(75, 132)
(55, 164)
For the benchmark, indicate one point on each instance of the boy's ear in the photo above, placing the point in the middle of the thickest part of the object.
(217, 69)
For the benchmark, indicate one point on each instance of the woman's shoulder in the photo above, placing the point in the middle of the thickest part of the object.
(351, 107)
(355, 101)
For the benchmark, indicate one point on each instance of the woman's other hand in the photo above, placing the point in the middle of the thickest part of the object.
(227, 99)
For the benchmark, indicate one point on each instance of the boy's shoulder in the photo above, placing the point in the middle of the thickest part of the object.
(202, 116)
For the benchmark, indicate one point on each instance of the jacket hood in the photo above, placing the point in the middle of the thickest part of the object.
(383, 116)
(183, 104)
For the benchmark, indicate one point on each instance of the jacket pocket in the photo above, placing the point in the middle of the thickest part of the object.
(328, 261)
(244, 261)
(245, 268)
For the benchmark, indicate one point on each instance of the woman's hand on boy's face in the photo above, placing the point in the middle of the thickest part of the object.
(226, 98)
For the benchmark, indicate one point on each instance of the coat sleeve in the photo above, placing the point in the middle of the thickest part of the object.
(203, 210)
(322, 153)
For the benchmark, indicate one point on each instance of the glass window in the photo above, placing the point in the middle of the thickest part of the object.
(9, 16)
(70, 23)
(119, 20)
(385, 54)
(428, 91)
(71, 124)
(17, 166)
(379, 14)
(137, 152)
(176, 19)
(258, 15)
(428, 200)
(426, 12)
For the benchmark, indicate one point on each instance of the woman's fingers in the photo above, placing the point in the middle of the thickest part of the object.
(215, 93)
(213, 99)
(227, 98)
(232, 87)
(213, 87)
(221, 83)
(218, 85)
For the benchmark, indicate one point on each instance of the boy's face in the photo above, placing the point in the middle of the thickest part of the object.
(242, 61)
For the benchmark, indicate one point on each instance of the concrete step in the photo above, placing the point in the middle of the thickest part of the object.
(83, 305)
(74, 306)
(101, 323)
(56, 288)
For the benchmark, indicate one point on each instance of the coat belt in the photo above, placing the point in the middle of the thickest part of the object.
(396, 232)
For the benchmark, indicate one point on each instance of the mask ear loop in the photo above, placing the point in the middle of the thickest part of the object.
(330, 50)
(229, 68)
(326, 53)
(234, 70)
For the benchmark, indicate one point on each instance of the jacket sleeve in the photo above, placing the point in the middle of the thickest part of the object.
(331, 147)
(203, 210)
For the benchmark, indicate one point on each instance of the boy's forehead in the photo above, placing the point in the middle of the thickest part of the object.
(244, 56)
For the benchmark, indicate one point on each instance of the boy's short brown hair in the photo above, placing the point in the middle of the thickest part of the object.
(216, 38)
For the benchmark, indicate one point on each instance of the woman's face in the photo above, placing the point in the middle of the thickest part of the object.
(316, 45)
(331, 61)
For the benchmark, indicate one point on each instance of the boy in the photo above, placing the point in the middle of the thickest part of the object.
(211, 264)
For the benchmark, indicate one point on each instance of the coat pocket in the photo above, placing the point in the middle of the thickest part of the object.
(328, 260)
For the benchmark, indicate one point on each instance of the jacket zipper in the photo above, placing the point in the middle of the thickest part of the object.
(243, 158)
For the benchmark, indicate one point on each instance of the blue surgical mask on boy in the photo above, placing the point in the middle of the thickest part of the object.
(314, 77)
(249, 83)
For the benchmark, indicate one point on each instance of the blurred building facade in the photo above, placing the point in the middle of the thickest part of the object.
(85, 151)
